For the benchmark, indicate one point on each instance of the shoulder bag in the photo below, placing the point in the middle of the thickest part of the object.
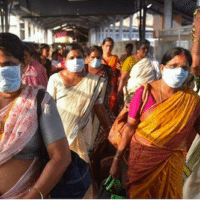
(76, 179)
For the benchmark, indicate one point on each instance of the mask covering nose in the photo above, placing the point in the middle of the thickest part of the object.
(95, 63)
(75, 65)
(10, 78)
(174, 78)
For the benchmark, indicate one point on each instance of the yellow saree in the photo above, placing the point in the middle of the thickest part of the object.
(157, 151)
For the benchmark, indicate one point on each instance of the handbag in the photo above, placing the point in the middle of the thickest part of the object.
(111, 189)
(76, 179)
(116, 130)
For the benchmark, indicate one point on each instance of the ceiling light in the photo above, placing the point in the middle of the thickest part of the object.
(149, 6)
(64, 25)
(57, 27)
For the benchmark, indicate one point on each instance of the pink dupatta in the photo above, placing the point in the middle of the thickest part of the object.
(35, 75)
(19, 128)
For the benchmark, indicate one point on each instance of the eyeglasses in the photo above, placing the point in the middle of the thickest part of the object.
(176, 65)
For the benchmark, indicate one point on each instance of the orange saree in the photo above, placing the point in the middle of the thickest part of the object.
(112, 63)
(158, 147)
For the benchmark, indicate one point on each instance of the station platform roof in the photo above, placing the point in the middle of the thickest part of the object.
(87, 14)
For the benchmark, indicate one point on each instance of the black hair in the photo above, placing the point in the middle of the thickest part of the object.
(141, 42)
(108, 39)
(129, 45)
(43, 46)
(171, 53)
(11, 44)
(54, 53)
(78, 47)
(29, 48)
(95, 48)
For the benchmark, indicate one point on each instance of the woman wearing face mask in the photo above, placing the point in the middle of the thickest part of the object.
(159, 134)
(77, 94)
(101, 143)
(136, 70)
(95, 67)
(20, 138)
(113, 62)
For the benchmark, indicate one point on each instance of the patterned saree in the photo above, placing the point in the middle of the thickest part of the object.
(158, 147)
(112, 63)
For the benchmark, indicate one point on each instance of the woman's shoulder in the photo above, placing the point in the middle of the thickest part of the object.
(55, 76)
(129, 59)
(114, 56)
(92, 76)
(190, 91)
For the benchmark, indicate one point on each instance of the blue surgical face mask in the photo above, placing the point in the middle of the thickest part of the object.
(174, 78)
(95, 63)
(10, 78)
(75, 65)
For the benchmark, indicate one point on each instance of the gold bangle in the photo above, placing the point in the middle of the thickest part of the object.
(41, 195)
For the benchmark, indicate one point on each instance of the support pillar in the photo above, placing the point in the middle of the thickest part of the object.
(168, 14)
(96, 35)
(7, 27)
(108, 30)
(142, 25)
(121, 29)
(92, 36)
(32, 32)
(36, 35)
(131, 27)
(2, 20)
(50, 37)
(44, 35)
(40, 35)
(18, 27)
(26, 31)
(104, 34)
(114, 31)
(101, 34)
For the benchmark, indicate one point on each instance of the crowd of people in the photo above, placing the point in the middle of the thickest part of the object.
(86, 93)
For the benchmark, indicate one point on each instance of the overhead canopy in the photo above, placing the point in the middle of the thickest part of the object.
(179, 7)
(86, 14)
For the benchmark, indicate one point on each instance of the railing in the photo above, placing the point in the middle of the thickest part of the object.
(173, 37)
(185, 30)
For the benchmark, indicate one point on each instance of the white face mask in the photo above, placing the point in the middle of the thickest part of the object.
(95, 63)
(75, 65)
(174, 78)
(10, 78)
